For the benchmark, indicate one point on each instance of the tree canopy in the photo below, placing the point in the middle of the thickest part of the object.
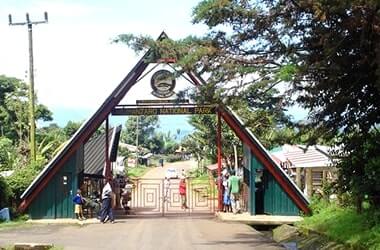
(321, 55)
(13, 109)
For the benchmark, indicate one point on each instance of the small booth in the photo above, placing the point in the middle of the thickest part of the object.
(265, 195)
(83, 170)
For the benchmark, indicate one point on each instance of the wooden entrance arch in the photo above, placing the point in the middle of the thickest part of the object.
(40, 188)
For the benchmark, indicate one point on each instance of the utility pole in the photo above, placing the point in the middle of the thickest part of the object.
(32, 119)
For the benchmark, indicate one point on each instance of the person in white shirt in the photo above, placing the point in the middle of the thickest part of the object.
(106, 210)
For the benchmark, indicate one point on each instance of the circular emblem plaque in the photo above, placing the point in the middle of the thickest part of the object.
(162, 83)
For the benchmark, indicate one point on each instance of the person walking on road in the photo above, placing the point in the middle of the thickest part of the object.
(182, 192)
(106, 210)
(234, 188)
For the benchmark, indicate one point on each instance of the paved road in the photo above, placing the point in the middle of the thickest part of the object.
(159, 172)
(145, 233)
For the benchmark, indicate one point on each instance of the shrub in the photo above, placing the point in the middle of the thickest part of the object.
(173, 158)
(317, 204)
(22, 177)
(198, 172)
(8, 154)
(5, 193)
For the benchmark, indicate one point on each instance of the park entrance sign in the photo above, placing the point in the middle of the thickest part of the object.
(283, 197)
(165, 110)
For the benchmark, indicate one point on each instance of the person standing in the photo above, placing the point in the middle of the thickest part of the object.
(226, 194)
(106, 210)
(182, 192)
(183, 173)
(166, 189)
(79, 201)
(234, 188)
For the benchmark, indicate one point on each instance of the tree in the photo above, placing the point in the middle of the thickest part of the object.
(71, 127)
(13, 109)
(8, 154)
(5, 193)
(163, 143)
(202, 142)
(146, 128)
(22, 177)
(157, 143)
(327, 52)
(169, 143)
(359, 168)
(50, 140)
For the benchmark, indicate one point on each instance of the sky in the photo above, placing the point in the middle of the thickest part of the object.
(75, 63)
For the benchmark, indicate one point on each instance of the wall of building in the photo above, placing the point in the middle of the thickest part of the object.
(265, 194)
(276, 201)
(55, 200)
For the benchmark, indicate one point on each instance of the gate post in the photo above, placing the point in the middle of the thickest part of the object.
(108, 163)
(164, 201)
(219, 144)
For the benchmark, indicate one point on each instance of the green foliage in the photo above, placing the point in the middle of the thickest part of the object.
(323, 53)
(198, 173)
(146, 128)
(344, 225)
(22, 177)
(136, 172)
(14, 109)
(14, 224)
(8, 154)
(173, 158)
(157, 142)
(71, 127)
(50, 140)
(202, 142)
(5, 193)
(359, 167)
(163, 143)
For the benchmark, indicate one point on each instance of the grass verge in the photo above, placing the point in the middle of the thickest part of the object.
(138, 172)
(344, 225)
(203, 179)
(13, 224)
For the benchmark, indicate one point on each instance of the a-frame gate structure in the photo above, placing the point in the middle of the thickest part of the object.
(37, 197)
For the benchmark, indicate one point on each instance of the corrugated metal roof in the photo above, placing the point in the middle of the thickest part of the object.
(132, 148)
(304, 157)
(94, 156)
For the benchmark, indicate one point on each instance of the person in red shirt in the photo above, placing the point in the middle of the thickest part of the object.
(182, 192)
